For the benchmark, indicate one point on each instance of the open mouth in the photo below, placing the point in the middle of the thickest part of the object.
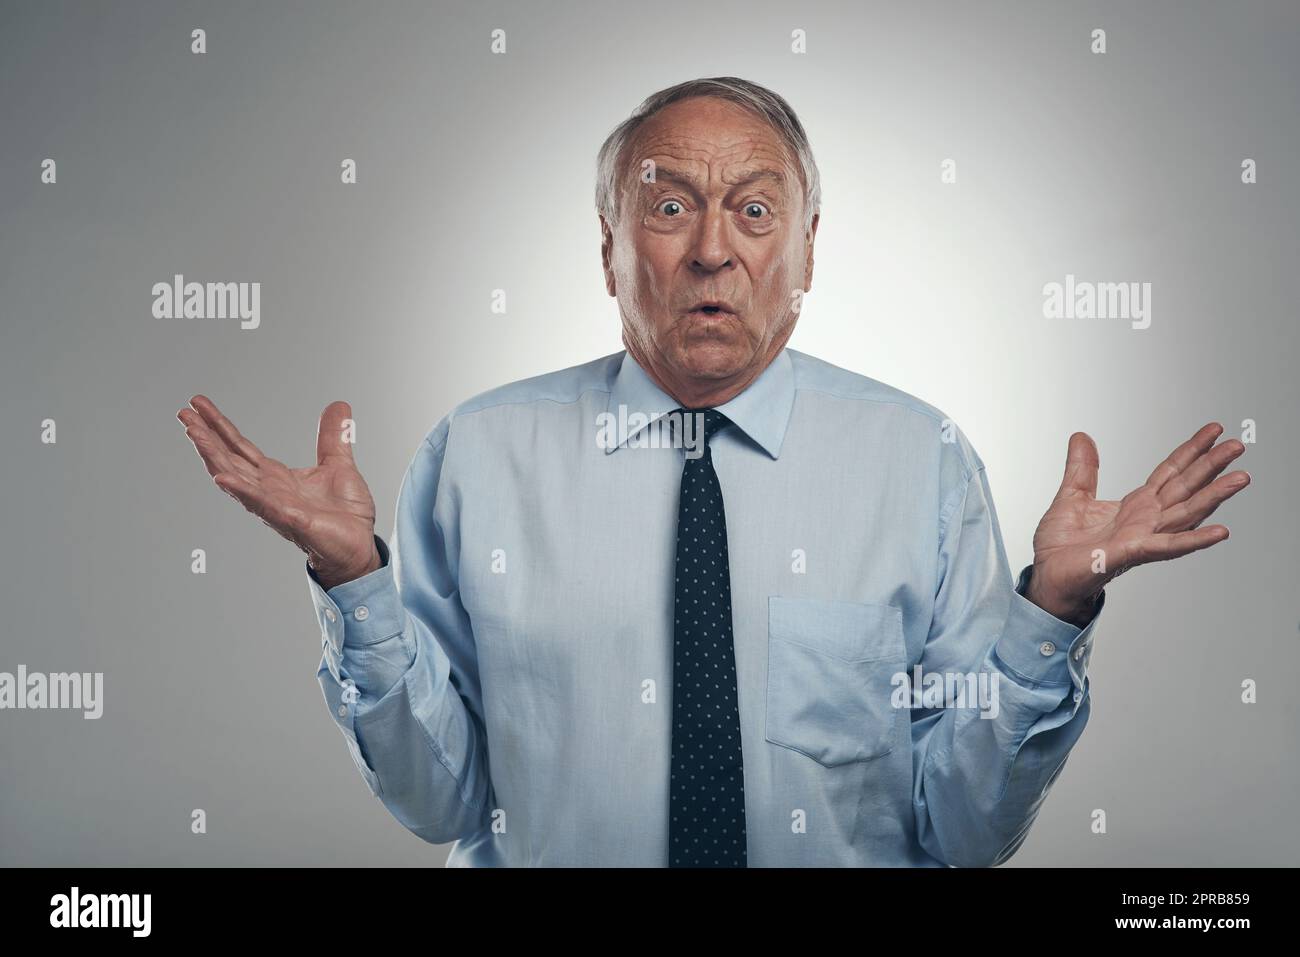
(717, 311)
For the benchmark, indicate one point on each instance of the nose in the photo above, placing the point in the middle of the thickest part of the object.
(712, 247)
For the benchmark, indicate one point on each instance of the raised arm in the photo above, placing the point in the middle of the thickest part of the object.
(398, 668)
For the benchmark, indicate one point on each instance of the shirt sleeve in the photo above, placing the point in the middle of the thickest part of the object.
(399, 671)
(980, 774)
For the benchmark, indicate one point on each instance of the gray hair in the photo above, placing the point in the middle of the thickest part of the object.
(759, 100)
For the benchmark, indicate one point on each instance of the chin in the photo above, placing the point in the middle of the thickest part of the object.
(713, 360)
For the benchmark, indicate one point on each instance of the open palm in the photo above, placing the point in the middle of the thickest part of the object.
(1083, 542)
(325, 509)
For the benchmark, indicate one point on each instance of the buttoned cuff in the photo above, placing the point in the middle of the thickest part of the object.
(360, 612)
(341, 696)
(1042, 648)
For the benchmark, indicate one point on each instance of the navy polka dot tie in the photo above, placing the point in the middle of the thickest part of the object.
(707, 789)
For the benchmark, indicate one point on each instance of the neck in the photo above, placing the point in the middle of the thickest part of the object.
(699, 393)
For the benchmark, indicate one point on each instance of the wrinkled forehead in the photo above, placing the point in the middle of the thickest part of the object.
(706, 139)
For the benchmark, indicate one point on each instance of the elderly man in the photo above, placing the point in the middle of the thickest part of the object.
(703, 602)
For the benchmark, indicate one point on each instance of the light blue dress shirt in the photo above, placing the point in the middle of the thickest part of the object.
(505, 681)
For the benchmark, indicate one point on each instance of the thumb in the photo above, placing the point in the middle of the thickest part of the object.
(335, 434)
(1081, 463)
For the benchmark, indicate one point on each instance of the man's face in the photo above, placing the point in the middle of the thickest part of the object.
(721, 223)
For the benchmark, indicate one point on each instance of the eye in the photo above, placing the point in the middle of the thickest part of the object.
(667, 205)
(749, 207)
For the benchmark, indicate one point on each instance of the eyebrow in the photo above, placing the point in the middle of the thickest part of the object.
(747, 176)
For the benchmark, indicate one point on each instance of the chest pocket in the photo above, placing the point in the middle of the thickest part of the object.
(830, 666)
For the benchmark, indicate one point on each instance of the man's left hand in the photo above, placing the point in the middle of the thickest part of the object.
(1082, 543)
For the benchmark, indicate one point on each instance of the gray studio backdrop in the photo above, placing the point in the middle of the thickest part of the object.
(474, 173)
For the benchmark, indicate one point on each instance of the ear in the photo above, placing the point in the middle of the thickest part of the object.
(808, 262)
(607, 255)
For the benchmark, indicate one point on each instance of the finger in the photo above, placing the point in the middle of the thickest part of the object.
(1164, 546)
(214, 453)
(1081, 465)
(331, 443)
(289, 520)
(1183, 456)
(196, 428)
(1197, 475)
(226, 430)
(1201, 506)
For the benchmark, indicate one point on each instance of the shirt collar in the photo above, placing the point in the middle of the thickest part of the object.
(761, 411)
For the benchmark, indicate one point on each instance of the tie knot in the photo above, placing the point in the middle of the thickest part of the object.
(714, 421)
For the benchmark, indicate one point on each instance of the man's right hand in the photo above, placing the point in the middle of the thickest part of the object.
(325, 509)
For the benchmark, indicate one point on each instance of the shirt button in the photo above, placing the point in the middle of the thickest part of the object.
(361, 613)
(343, 711)
(1047, 648)
(329, 613)
(1077, 695)
(1078, 655)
